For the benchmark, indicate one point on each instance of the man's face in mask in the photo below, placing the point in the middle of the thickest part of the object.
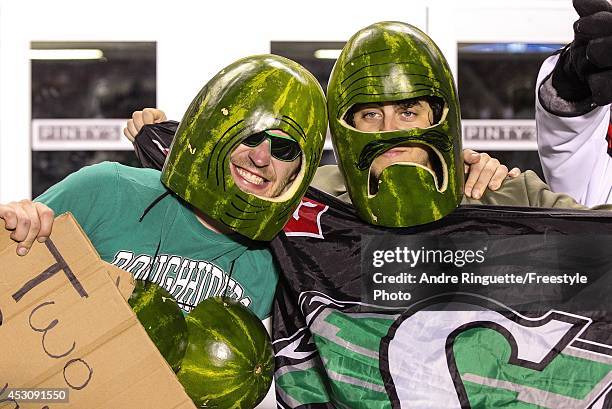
(265, 164)
(393, 116)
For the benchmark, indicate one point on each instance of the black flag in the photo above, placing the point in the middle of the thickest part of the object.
(540, 344)
(153, 143)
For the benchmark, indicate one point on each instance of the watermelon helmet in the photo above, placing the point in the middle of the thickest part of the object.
(393, 61)
(249, 97)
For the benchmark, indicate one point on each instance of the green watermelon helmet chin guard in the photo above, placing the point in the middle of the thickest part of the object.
(252, 95)
(393, 61)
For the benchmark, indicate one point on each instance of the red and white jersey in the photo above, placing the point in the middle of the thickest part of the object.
(574, 151)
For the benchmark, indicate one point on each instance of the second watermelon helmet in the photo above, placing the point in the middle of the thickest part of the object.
(394, 62)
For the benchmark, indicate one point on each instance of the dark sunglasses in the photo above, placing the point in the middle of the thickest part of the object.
(281, 147)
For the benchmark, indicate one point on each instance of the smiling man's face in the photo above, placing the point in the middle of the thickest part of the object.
(257, 171)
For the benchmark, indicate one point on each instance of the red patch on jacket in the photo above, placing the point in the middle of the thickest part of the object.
(306, 219)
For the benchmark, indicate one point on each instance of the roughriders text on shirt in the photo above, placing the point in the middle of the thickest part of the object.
(189, 281)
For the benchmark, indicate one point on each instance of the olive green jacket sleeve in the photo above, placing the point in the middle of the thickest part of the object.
(525, 190)
(329, 179)
(529, 190)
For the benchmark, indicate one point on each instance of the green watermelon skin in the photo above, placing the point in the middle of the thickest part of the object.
(163, 320)
(393, 61)
(251, 95)
(229, 361)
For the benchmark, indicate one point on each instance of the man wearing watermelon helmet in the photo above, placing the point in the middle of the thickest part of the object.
(239, 135)
(241, 161)
(395, 123)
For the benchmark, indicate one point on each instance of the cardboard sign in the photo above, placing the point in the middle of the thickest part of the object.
(123, 280)
(65, 326)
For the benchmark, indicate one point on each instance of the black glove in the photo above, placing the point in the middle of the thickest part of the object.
(153, 143)
(584, 69)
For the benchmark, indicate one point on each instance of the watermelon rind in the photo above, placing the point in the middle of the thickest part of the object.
(162, 319)
(229, 361)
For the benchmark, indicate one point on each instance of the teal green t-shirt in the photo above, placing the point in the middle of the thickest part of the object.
(192, 262)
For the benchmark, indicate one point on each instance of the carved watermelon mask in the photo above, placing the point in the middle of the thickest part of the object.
(253, 95)
(392, 61)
